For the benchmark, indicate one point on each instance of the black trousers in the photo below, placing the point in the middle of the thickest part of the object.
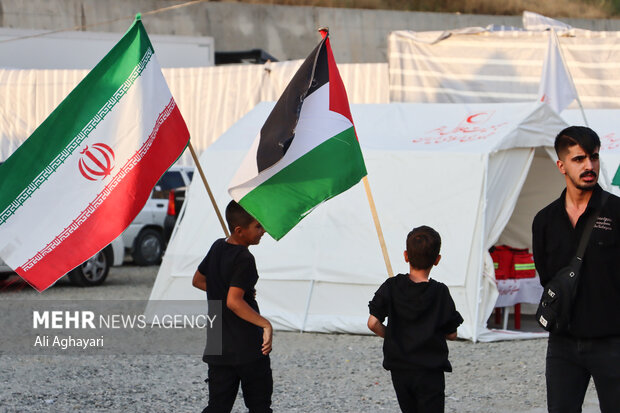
(256, 385)
(420, 391)
(570, 364)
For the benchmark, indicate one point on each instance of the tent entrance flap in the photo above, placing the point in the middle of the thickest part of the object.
(543, 185)
(540, 183)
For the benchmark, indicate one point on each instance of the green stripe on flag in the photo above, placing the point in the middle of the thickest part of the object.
(327, 170)
(71, 122)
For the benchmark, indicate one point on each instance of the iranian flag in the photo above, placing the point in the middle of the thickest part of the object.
(306, 152)
(84, 174)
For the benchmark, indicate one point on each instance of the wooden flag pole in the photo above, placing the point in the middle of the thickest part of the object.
(204, 181)
(375, 217)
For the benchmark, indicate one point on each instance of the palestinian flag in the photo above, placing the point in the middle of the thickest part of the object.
(84, 174)
(307, 150)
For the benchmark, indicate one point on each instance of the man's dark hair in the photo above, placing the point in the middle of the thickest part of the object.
(236, 216)
(423, 245)
(576, 135)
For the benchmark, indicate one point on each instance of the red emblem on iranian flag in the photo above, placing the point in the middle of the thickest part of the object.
(97, 161)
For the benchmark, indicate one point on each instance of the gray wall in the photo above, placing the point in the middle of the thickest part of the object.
(286, 32)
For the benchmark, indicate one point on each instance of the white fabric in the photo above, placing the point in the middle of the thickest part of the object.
(507, 173)
(517, 291)
(500, 67)
(535, 21)
(322, 274)
(433, 37)
(543, 185)
(556, 86)
(210, 99)
(497, 335)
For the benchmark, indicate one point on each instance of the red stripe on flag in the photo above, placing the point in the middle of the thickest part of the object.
(117, 211)
(338, 101)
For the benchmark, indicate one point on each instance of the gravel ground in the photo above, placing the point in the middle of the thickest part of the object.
(312, 372)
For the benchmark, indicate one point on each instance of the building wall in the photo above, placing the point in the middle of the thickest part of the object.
(286, 32)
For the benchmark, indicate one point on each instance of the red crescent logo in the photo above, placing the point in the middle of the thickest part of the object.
(97, 162)
(471, 118)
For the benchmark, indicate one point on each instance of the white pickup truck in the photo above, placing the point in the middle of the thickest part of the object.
(145, 239)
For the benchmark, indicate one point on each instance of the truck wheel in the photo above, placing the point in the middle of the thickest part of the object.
(93, 271)
(148, 247)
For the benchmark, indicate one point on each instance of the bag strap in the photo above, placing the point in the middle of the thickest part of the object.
(585, 236)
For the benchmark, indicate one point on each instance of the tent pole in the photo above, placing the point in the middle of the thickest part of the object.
(570, 75)
(204, 181)
(481, 258)
(375, 217)
(303, 326)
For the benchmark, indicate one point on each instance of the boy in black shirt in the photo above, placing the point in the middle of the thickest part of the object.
(228, 273)
(421, 316)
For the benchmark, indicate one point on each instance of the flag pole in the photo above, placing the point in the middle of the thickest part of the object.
(375, 217)
(570, 75)
(204, 181)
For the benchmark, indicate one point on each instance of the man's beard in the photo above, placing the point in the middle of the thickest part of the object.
(589, 186)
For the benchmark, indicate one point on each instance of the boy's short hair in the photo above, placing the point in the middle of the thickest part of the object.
(423, 245)
(576, 135)
(236, 216)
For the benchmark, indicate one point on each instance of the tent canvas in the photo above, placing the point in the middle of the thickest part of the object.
(498, 66)
(458, 168)
(211, 99)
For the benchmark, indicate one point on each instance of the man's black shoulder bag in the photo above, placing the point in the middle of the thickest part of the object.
(556, 302)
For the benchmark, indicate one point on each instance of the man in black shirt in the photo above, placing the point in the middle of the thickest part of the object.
(228, 273)
(591, 348)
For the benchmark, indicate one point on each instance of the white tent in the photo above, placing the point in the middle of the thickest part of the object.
(211, 99)
(458, 168)
(480, 66)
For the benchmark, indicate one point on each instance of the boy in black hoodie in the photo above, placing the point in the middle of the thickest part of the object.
(421, 316)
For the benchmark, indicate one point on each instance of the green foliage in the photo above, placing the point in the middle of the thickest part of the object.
(615, 6)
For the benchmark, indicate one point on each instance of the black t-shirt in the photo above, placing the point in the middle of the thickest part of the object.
(228, 265)
(420, 315)
(595, 311)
